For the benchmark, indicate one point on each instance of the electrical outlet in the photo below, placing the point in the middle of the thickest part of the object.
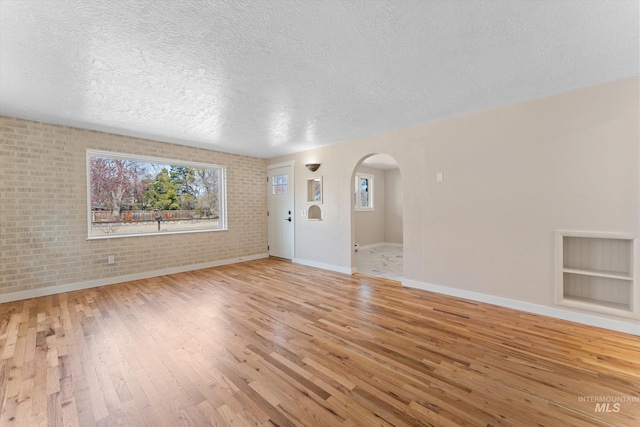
(111, 259)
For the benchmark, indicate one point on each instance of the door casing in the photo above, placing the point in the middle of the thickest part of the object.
(281, 213)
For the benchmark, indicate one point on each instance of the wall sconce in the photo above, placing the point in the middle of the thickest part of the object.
(313, 166)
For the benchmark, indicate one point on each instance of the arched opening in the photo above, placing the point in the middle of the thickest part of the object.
(377, 217)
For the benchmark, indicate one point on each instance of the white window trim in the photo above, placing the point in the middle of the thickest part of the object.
(158, 160)
(356, 193)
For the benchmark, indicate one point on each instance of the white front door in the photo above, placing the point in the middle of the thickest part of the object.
(281, 212)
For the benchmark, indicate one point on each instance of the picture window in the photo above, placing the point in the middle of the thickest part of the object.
(131, 195)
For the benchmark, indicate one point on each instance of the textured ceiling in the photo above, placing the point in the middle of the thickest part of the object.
(267, 78)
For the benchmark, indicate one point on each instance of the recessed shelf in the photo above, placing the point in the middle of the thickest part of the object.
(590, 304)
(595, 272)
(314, 213)
(599, 288)
(599, 273)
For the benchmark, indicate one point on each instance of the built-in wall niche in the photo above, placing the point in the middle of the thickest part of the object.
(595, 271)
(314, 190)
(314, 213)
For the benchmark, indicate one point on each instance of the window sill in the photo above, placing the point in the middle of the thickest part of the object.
(158, 233)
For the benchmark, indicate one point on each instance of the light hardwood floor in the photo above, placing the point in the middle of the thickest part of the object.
(273, 343)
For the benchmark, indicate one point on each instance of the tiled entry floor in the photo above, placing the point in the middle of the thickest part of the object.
(380, 261)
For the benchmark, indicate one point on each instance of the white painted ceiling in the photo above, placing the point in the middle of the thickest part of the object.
(272, 77)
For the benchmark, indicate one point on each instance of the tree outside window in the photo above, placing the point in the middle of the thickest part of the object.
(131, 195)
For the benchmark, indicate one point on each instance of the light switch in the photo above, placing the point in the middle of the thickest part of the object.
(439, 177)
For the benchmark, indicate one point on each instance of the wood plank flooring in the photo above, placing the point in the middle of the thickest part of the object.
(270, 343)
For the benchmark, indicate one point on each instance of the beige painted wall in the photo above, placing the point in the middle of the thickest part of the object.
(43, 218)
(369, 225)
(393, 206)
(512, 176)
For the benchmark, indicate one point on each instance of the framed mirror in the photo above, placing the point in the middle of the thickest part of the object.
(314, 190)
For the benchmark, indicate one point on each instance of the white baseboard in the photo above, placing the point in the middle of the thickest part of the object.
(338, 269)
(376, 245)
(52, 290)
(628, 327)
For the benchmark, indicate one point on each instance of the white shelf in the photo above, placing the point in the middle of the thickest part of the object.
(596, 271)
(599, 273)
(591, 304)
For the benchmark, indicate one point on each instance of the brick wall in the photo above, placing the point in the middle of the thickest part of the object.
(43, 209)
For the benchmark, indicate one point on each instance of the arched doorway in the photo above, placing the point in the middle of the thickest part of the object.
(377, 217)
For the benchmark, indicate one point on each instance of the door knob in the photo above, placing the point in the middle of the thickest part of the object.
(288, 219)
